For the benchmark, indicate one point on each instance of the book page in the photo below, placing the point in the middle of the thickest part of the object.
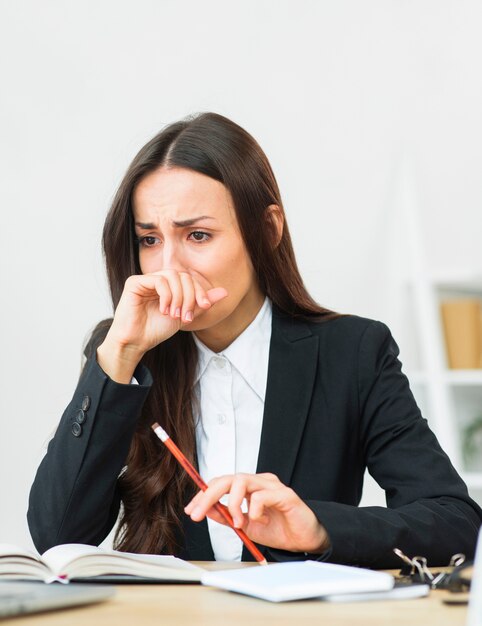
(8, 549)
(58, 557)
(77, 560)
(16, 562)
(162, 560)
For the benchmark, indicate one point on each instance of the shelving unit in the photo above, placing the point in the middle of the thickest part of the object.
(450, 399)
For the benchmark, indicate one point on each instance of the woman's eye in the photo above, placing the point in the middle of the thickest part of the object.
(148, 241)
(199, 236)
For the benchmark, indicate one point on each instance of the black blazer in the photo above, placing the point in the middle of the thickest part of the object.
(336, 403)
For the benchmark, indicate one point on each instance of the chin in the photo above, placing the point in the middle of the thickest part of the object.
(202, 322)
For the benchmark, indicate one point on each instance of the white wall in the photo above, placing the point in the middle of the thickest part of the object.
(332, 91)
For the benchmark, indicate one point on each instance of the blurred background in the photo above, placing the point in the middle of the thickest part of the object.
(369, 113)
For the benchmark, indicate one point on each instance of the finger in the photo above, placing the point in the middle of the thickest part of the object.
(202, 299)
(223, 481)
(205, 500)
(149, 286)
(236, 496)
(193, 503)
(196, 500)
(216, 294)
(271, 477)
(212, 513)
(164, 292)
(189, 297)
(205, 299)
(266, 499)
(175, 286)
(167, 283)
(216, 516)
(218, 487)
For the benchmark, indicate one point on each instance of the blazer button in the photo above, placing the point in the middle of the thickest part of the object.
(76, 429)
(81, 416)
(85, 403)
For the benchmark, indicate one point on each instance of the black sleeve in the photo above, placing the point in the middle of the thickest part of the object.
(429, 511)
(74, 497)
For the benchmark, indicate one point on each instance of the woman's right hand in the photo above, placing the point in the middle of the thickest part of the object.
(152, 308)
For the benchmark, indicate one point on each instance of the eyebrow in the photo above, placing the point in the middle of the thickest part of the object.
(178, 223)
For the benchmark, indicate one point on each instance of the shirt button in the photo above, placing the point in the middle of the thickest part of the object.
(219, 362)
(221, 418)
(76, 429)
(85, 403)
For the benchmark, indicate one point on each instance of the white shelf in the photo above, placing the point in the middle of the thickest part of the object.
(472, 377)
(463, 282)
(463, 377)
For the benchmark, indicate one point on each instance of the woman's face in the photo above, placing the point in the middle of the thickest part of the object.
(186, 221)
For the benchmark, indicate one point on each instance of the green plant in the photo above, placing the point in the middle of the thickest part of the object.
(470, 444)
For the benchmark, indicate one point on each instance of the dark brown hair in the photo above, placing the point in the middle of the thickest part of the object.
(153, 488)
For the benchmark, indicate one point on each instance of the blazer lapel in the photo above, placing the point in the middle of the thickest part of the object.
(292, 368)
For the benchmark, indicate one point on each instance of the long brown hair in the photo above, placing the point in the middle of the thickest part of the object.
(153, 488)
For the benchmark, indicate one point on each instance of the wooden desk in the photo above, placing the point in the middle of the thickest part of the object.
(191, 605)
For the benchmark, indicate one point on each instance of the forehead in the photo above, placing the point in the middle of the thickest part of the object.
(178, 193)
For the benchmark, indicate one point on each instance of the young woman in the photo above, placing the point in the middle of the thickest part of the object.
(281, 403)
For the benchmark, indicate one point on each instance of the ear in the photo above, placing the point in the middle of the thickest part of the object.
(275, 219)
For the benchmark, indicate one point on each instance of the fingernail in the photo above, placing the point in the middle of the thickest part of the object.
(206, 301)
(166, 312)
(196, 513)
(178, 312)
(188, 316)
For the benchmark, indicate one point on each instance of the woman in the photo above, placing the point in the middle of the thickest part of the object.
(281, 403)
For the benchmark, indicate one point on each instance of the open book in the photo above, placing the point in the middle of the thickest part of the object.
(78, 561)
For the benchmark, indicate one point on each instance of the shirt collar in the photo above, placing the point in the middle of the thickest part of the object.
(249, 353)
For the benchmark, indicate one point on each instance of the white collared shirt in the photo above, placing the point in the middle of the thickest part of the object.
(231, 387)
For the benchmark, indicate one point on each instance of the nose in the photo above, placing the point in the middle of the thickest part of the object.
(172, 257)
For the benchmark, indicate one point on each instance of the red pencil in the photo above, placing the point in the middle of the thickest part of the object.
(191, 470)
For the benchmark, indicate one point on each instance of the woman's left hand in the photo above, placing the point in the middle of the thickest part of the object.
(276, 516)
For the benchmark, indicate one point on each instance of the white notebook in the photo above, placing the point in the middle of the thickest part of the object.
(296, 580)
